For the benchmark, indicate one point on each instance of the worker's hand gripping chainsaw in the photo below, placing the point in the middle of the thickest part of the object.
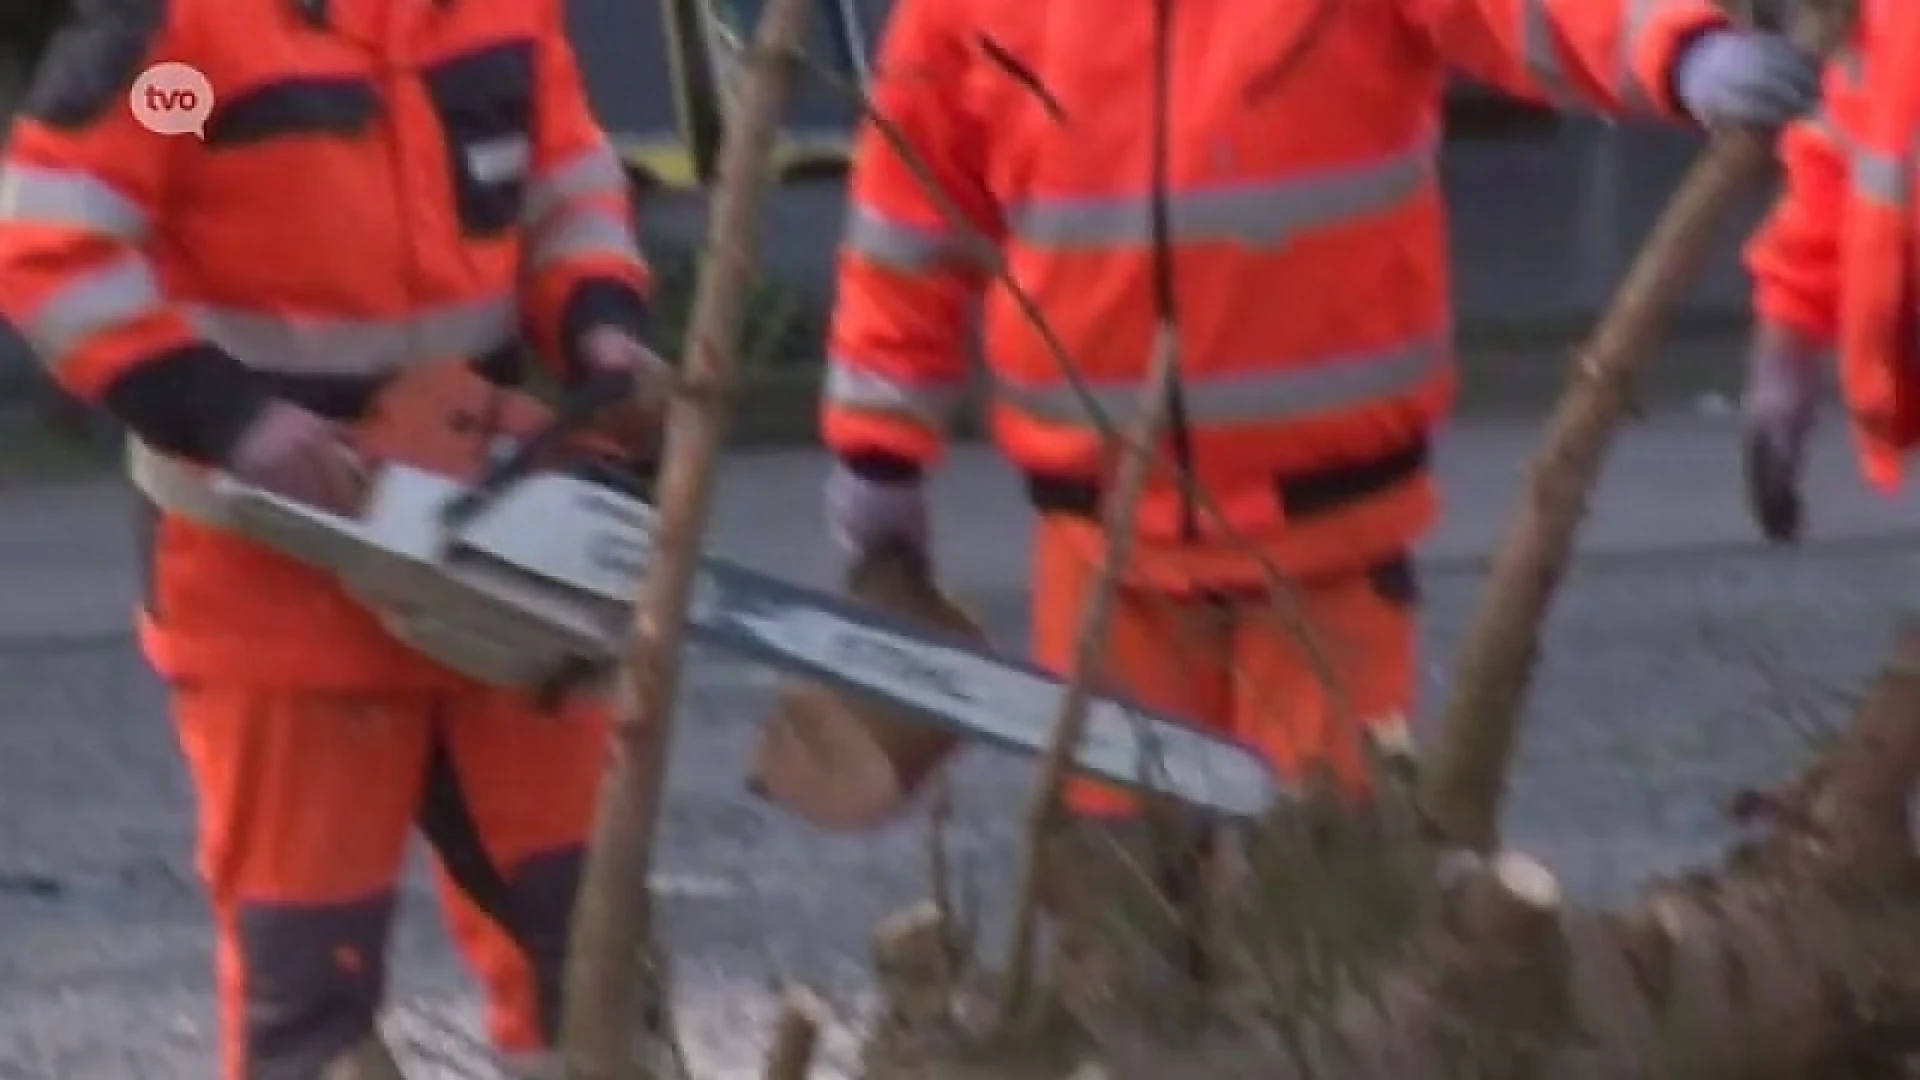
(459, 465)
(500, 538)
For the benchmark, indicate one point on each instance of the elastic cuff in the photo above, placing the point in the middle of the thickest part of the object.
(595, 302)
(881, 467)
(1801, 321)
(195, 401)
(1789, 338)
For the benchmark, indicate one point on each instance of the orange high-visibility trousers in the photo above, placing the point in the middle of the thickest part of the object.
(306, 801)
(1232, 660)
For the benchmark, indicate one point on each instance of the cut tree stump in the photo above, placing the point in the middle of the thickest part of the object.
(1797, 959)
(796, 1036)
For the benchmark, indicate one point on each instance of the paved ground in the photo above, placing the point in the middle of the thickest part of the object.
(1678, 649)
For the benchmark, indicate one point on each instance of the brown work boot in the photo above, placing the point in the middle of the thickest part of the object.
(1126, 904)
(368, 1059)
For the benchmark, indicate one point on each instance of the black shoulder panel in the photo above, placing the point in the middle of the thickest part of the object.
(93, 60)
(27, 25)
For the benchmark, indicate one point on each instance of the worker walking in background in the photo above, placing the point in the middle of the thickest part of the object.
(231, 225)
(1256, 182)
(1835, 269)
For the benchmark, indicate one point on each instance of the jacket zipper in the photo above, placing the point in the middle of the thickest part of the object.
(1179, 434)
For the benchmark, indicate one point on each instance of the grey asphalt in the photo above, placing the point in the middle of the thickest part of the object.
(1684, 662)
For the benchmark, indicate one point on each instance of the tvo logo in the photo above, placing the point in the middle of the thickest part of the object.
(172, 99)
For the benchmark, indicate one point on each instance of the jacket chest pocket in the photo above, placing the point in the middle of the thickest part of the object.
(485, 103)
(340, 107)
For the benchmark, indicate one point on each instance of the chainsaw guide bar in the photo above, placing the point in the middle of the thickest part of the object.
(547, 575)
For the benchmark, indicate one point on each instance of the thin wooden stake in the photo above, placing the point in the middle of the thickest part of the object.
(1043, 805)
(796, 1036)
(610, 984)
(1464, 781)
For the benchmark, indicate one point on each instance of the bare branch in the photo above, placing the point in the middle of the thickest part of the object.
(796, 1036)
(1465, 781)
(1071, 717)
(610, 955)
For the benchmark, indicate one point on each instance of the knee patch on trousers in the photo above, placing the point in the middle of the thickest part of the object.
(539, 899)
(532, 900)
(312, 983)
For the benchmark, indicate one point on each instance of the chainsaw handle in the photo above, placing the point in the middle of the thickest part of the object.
(577, 408)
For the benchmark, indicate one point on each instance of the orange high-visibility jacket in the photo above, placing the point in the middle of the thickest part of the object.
(379, 185)
(1836, 260)
(1261, 177)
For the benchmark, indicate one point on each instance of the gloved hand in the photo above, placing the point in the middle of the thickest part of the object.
(636, 424)
(863, 512)
(1745, 77)
(295, 453)
(1777, 412)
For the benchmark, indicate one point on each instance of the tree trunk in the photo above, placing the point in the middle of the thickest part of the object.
(613, 988)
(1479, 726)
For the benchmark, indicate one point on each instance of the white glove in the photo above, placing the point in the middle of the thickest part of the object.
(863, 513)
(1777, 411)
(1746, 77)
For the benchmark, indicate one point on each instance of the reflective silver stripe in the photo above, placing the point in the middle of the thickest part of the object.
(558, 229)
(175, 486)
(1879, 177)
(588, 232)
(307, 345)
(1876, 176)
(1266, 213)
(118, 293)
(33, 195)
(901, 246)
(851, 387)
(1540, 50)
(1330, 384)
(593, 172)
(1634, 96)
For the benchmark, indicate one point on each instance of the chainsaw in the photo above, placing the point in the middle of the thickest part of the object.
(529, 572)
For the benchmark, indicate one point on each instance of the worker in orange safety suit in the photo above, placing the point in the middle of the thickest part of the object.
(1835, 268)
(1257, 183)
(380, 185)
